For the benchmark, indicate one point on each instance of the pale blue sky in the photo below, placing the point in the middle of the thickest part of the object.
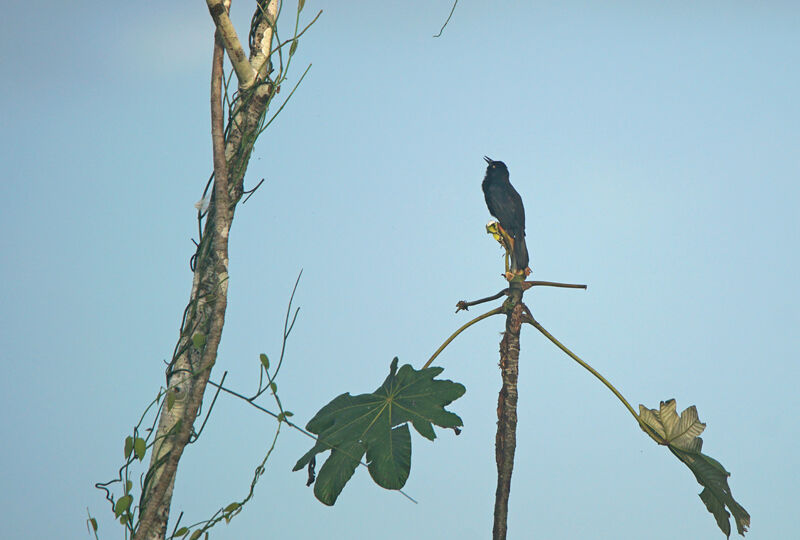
(655, 146)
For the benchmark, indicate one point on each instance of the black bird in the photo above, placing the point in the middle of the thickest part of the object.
(506, 205)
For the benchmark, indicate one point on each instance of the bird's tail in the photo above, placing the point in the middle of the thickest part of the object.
(519, 256)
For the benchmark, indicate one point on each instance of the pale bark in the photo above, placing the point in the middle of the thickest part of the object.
(191, 367)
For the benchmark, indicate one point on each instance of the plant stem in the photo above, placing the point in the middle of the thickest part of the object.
(647, 429)
(495, 311)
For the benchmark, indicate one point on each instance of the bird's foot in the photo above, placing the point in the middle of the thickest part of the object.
(518, 275)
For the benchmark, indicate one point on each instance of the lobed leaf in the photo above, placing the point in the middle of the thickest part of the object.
(377, 424)
(681, 435)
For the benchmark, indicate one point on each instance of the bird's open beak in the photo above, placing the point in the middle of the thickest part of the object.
(488, 159)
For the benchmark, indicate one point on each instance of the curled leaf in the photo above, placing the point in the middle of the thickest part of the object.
(681, 436)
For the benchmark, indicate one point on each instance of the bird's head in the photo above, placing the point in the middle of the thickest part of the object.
(495, 168)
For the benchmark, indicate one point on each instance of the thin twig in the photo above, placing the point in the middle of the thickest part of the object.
(464, 305)
(284, 102)
(287, 330)
(290, 424)
(528, 284)
(448, 19)
(196, 435)
(251, 191)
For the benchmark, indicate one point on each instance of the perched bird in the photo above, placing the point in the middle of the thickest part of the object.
(506, 205)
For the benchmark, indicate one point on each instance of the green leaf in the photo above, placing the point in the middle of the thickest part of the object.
(94, 524)
(274, 387)
(293, 47)
(139, 448)
(287, 414)
(199, 341)
(300, 5)
(196, 534)
(264, 361)
(122, 505)
(171, 396)
(681, 435)
(231, 507)
(128, 446)
(337, 470)
(123, 519)
(128, 486)
(182, 531)
(377, 424)
(389, 458)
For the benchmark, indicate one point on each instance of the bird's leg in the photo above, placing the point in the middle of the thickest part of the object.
(508, 243)
(506, 240)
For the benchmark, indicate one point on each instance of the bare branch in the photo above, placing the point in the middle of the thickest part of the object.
(528, 284)
(261, 47)
(464, 305)
(244, 71)
(448, 20)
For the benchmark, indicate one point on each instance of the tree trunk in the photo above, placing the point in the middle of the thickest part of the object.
(203, 320)
(506, 439)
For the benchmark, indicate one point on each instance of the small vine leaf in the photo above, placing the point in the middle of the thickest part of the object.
(196, 534)
(128, 486)
(128, 446)
(300, 5)
(199, 341)
(264, 361)
(287, 414)
(183, 531)
(170, 400)
(681, 436)
(123, 519)
(139, 448)
(122, 505)
(377, 423)
(231, 507)
(93, 523)
(281, 417)
(274, 387)
(293, 47)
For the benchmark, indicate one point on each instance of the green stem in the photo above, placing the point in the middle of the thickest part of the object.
(647, 429)
(495, 311)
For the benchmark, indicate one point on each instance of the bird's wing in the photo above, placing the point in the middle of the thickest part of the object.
(506, 205)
